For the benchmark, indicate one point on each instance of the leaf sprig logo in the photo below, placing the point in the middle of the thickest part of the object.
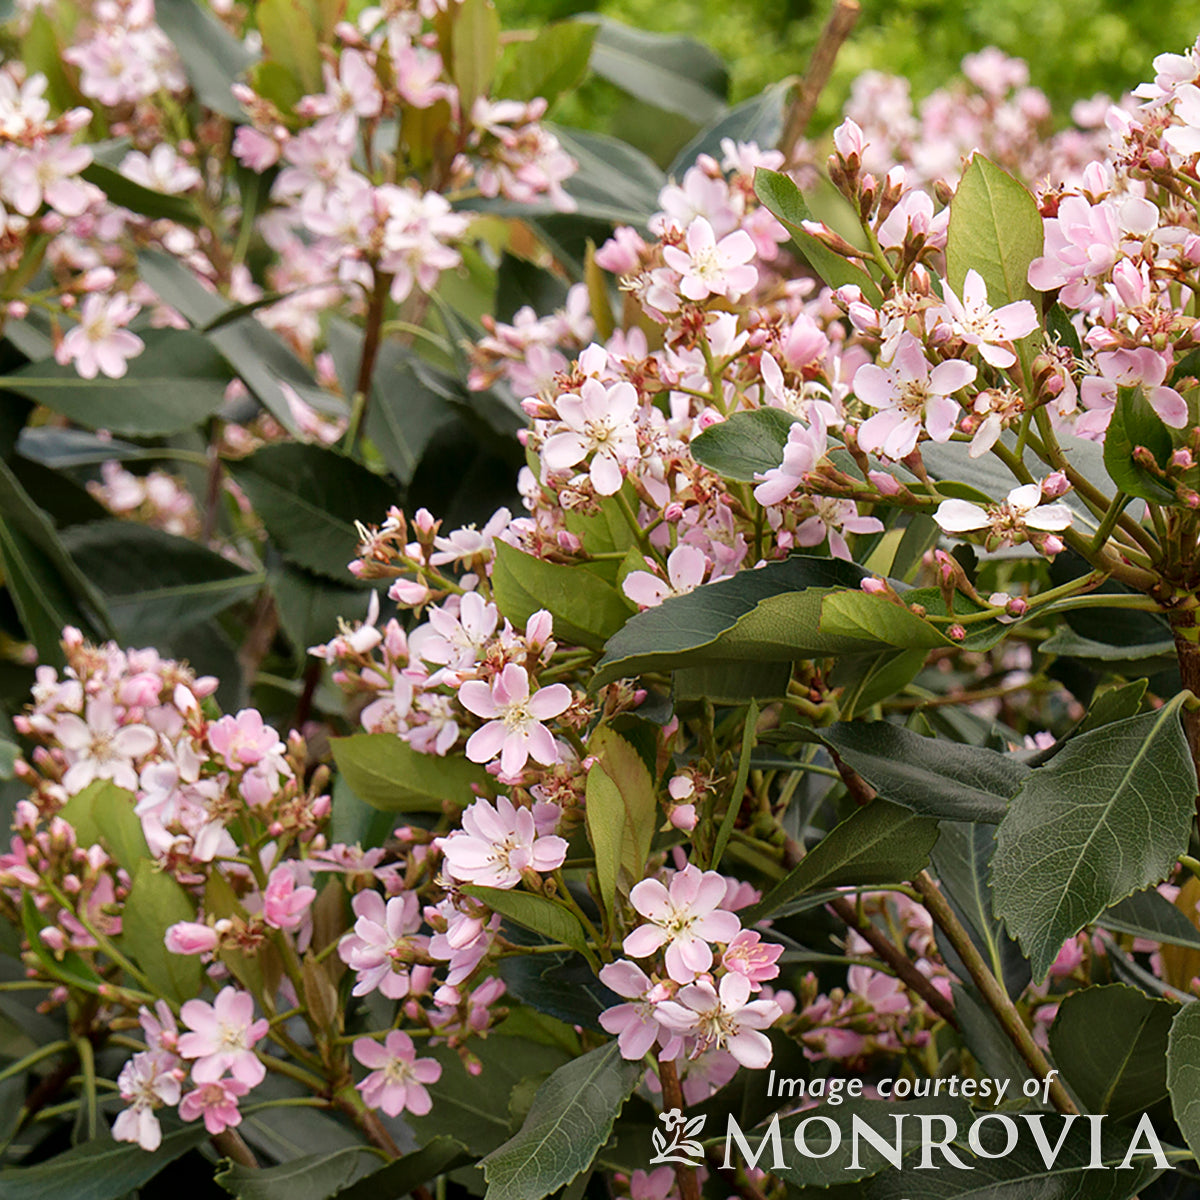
(682, 1148)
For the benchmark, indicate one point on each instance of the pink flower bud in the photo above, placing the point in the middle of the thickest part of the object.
(1054, 485)
(1018, 606)
(956, 632)
(873, 586)
(1052, 546)
(190, 937)
(1183, 459)
(673, 513)
(848, 141)
(888, 485)
(683, 817)
(568, 542)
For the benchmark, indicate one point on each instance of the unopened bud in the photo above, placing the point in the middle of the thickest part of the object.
(1183, 459)
(956, 633)
(1055, 484)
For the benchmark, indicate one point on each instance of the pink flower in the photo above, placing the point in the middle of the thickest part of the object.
(600, 424)
(1008, 523)
(749, 955)
(989, 329)
(382, 947)
(686, 567)
(911, 397)
(805, 448)
(216, 1102)
(162, 170)
(222, 1038)
(831, 518)
(496, 844)
(514, 729)
(284, 904)
(634, 1024)
(724, 1018)
(243, 740)
(191, 937)
(712, 268)
(100, 344)
(684, 918)
(398, 1080)
(101, 748)
(456, 639)
(147, 1081)
(1141, 368)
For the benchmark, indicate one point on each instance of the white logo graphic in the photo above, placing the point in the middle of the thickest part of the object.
(681, 1148)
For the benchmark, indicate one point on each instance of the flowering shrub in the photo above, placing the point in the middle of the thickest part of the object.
(828, 708)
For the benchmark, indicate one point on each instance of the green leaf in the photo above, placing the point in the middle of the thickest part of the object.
(291, 39)
(1110, 1042)
(553, 921)
(881, 843)
(309, 498)
(854, 1159)
(615, 182)
(388, 773)
(932, 776)
(744, 445)
(155, 583)
(41, 51)
(688, 630)
(309, 605)
(621, 812)
(1066, 643)
(961, 859)
(311, 1177)
(178, 381)
(103, 813)
(1151, 915)
(212, 57)
(676, 74)
(553, 62)
(475, 49)
(405, 1175)
(9, 753)
(156, 901)
(70, 968)
(1134, 423)
(474, 1108)
(559, 985)
(145, 201)
(1063, 853)
(571, 1118)
(1183, 1073)
(786, 202)
(759, 119)
(995, 229)
(1116, 704)
(737, 793)
(586, 609)
(97, 1170)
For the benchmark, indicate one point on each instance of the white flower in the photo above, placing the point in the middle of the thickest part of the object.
(1009, 522)
(99, 748)
(600, 424)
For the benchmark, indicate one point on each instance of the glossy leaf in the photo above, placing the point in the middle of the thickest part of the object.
(178, 381)
(554, 61)
(156, 902)
(1110, 1042)
(142, 200)
(759, 119)
(1183, 1073)
(1151, 915)
(310, 1177)
(551, 920)
(585, 608)
(744, 445)
(309, 498)
(677, 74)
(785, 200)
(881, 843)
(737, 793)
(388, 773)
(1063, 848)
(212, 57)
(995, 229)
(571, 1118)
(103, 813)
(405, 1175)
(1135, 424)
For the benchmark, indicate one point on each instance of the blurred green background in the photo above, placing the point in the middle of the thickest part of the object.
(1074, 49)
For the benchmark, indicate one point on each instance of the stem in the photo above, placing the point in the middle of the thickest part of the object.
(1187, 650)
(1111, 517)
(370, 352)
(672, 1094)
(87, 1061)
(33, 1058)
(837, 29)
(992, 990)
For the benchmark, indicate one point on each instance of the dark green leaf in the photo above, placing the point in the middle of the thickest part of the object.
(1110, 1043)
(995, 229)
(175, 383)
(677, 74)
(156, 901)
(759, 119)
(560, 985)
(553, 921)
(614, 181)
(586, 610)
(406, 1174)
(737, 793)
(153, 582)
(388, 773)
(70, 967)
(475, 49)
(310, 605)
(97, 1170)
(571, 1118)
(1063, 848)
(309, 498)
(785, 200)
(1069, 644)
(312, 1177)
(103, 813)
(1151, 915)
(1183, 1073)
(745, 445)
(553, 62)
(882, 843)
(1134, 423)
(933, 776)
(142, 200)
(212, 57)
(1116, 704)
(57, 448)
